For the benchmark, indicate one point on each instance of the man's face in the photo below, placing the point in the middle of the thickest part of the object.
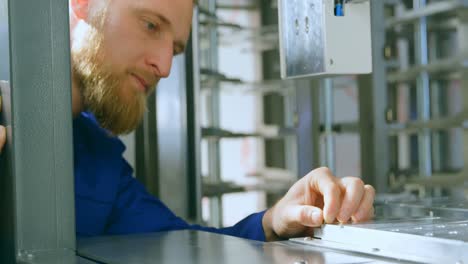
(121, 52)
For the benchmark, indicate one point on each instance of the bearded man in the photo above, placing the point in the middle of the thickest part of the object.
(120, 50)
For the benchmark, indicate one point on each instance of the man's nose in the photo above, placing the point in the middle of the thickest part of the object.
(159, 58)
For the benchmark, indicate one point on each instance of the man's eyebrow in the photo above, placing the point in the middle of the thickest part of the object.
(154, 13)
(179, 45)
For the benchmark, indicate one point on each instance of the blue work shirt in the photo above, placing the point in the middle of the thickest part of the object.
(109, 201)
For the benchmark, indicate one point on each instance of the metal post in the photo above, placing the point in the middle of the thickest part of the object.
(372, 108)
(146, 138)
(403, 93)
(435, 107)
(36, 183)
(463, 39)
(327, 88)
(172, 141)
(290, 142)
(423, 93)
(308, 125)
(193, 122)
(214, 153)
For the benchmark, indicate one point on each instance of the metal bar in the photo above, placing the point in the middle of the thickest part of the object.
(435, 107)
(214, 155)
(328, 99)
(439, 180)
(37, 164)
(372, 108)
(459, 120)
(146, 138)
(290, 140)
(266, 131)
(343, 128)
(463, 38)
(423, 93)
(308, 125)
(403, 93)
(193, 122)
(172, 139)
(428, 10)
(448, 65)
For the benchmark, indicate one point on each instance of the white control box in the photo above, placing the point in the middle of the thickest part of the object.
(314, 41)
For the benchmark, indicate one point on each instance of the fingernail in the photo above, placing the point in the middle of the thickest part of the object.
(317, 217)
(329, 220)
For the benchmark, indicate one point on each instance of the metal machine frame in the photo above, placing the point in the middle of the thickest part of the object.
(36, 183)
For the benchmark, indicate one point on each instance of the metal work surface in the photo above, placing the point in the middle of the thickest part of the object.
(452, 210)
(202, 247)
(427, 240)
(52, 257)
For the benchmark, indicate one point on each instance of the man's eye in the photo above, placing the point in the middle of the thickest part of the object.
(151, 26)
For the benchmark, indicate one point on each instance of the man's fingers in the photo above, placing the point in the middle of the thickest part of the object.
(323, 181)
(353, 189)
(2, 137)
(304, 215)
(366, 208)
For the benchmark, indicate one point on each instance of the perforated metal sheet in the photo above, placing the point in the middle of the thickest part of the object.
(302, 37)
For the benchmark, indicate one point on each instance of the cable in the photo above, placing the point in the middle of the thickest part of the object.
(339, 7)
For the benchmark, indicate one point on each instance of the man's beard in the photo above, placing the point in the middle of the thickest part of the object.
(102, 89)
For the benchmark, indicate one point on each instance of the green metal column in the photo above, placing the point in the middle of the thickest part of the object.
(36, 183)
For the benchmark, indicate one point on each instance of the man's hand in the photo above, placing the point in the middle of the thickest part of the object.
(318, 197)
(2, 131)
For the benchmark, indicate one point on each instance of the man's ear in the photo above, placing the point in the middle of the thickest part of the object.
(80, 8)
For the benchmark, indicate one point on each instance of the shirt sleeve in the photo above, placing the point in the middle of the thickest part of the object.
(137, 211)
